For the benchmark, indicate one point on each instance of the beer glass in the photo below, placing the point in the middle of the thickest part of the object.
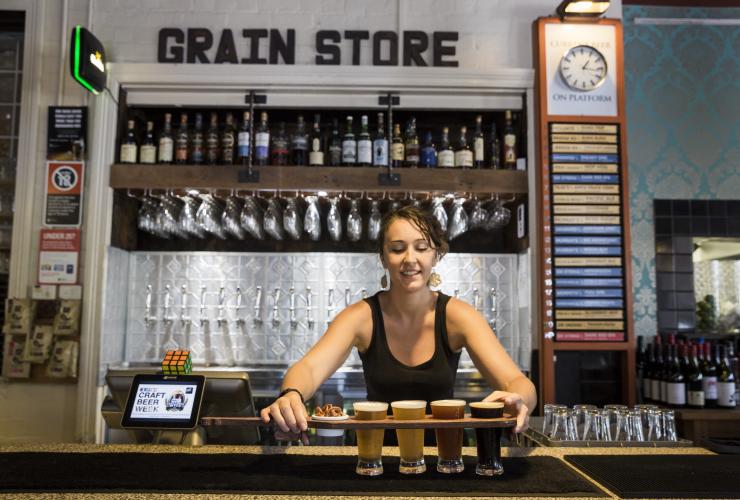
(449, 441)
(370, 441)
(488, 440)
(410, 441)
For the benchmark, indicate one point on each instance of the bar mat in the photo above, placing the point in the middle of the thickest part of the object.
(277, 474)
(664, 476)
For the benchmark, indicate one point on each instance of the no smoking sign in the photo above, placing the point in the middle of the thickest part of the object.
(63, 200)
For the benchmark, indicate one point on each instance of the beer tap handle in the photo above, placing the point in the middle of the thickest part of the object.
(363, 293)
(203, 319)
(456, 293)
(221, 301)
(330, 305)
(293, 320)
(148, 305)
(494, 308)
(347, 297)
(476, 299)
(309, 308)
(237, 310)
(167, 304)
(258, 306)
(275, 308)
(184, 319)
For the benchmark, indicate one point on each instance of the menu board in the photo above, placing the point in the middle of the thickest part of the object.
(584, 227)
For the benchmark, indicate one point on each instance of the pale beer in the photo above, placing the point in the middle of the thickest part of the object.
(370, 441)
(410, 441)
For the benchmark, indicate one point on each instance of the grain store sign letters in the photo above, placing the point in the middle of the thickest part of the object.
(263, 46)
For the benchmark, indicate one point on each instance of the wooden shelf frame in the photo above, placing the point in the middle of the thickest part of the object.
(330, 179)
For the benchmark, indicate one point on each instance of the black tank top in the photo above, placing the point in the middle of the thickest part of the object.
(387, 379)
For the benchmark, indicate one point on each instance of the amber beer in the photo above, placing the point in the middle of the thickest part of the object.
(488, 441)
(370, 441)
(410, 441)
(449, 441)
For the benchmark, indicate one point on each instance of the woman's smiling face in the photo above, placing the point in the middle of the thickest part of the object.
(408, 256)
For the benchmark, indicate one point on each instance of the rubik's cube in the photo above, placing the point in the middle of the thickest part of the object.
(177, 363)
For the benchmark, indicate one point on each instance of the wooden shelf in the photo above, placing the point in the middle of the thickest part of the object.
(389, 423)
(591, 346)
(137, 176)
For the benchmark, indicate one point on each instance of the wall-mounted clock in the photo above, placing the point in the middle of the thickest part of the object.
(583, 68)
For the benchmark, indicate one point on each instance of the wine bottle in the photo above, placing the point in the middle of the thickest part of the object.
(129, 148)
(694, 382)
(725, 382)
(709, 377)
(316, 147)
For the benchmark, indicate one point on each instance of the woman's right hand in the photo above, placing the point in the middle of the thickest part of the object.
(290, 417)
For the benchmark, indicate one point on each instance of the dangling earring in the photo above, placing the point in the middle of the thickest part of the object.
(435, 279)
(384, 280)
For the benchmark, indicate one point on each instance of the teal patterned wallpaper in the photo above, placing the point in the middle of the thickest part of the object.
(683, 125)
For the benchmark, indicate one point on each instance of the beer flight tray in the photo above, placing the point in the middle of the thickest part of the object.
(389, 423)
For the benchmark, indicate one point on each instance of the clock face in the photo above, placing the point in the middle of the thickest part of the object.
(583, 68)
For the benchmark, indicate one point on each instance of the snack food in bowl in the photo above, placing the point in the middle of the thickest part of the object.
(329, 413)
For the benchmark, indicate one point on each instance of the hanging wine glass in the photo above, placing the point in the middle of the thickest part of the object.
(354, 221)
(478, 216)
(187, 222)
(312, 219)
(373, 221)
(439, 212)
(209, 216)
(252, 218)
(273, 221)
(458, 220)
(292, 222)
(230, 218)
(334, 220)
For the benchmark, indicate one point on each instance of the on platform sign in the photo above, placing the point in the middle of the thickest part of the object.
(63, 200)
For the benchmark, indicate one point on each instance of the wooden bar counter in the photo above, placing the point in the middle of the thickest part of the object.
(339, 451)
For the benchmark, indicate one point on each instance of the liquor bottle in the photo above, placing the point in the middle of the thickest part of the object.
(397, 148)
(243, 139)
(196, 147)
(446, 156)
(212, 149)
(364, 145)
(182, 140)
(148, 151)
(227, 140)
(463, 154)
(725, 382)
(734, 364)
(495, 158)
(676, 383)
(509, 144)
(280, 146)
(335, 145)
(657, 371)
(380, 145)
(694, 382)
(128, 146)
(478, 143)
(428, 152)
(349, 145)
(262, 141)
(709, 377)
(299, 144)
(412, 145)
(316, 149)
(166, 144)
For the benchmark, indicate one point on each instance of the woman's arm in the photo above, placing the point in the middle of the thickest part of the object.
(317, 365)
(469, 327)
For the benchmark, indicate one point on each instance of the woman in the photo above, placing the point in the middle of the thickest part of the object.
(408, 336)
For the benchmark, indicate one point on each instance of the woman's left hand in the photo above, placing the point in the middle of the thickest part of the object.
(514, 406)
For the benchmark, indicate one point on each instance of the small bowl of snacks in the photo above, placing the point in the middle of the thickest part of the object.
(329, 413)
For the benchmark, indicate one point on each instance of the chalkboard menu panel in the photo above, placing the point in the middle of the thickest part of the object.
(585, 291)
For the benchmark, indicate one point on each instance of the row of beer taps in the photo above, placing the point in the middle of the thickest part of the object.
(180, 313)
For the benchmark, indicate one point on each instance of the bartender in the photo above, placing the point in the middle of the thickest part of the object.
(408, 336)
